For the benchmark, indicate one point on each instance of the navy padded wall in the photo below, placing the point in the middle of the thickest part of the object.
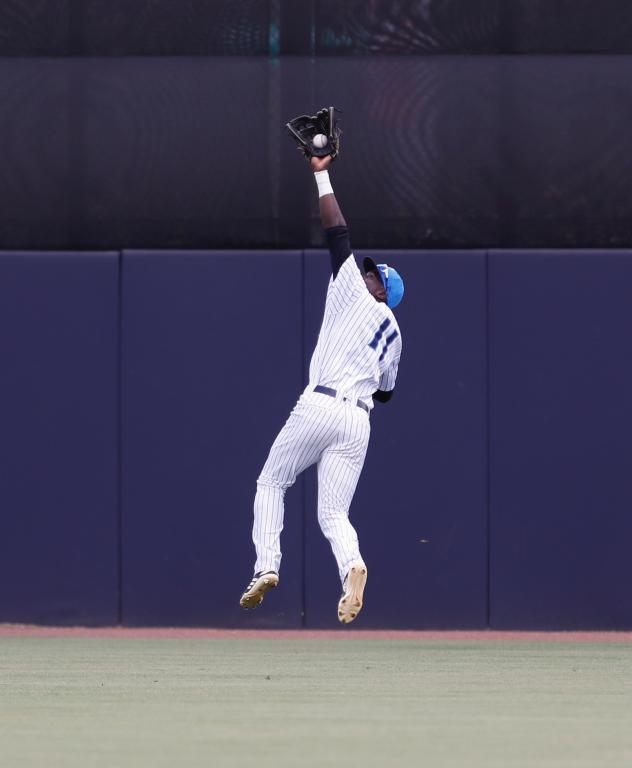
(420, 506)
(561, 419)
(212, 353)
(59, 438)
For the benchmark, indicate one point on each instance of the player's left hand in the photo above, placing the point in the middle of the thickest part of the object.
(320, 163)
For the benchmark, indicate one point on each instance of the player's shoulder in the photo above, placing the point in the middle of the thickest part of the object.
(378, 309)
(387, 313)
(351, 263)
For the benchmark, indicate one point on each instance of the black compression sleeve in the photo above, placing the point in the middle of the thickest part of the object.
(339, 247)
(381, 396)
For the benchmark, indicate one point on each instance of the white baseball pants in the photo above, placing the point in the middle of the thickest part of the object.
(334, 435)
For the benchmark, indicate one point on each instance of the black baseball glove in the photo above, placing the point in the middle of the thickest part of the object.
(304, 127)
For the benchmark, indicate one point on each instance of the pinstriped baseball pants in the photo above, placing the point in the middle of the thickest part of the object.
(334, 435)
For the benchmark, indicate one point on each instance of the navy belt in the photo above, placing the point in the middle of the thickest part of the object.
(332, 393)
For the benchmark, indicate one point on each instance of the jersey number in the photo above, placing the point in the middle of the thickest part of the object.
(388, 340)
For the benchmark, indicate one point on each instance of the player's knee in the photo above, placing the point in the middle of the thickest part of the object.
(265, 481)
(328, 516)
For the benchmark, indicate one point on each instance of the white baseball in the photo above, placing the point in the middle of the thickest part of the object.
(320, 140)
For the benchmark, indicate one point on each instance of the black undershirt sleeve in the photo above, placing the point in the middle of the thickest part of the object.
(381, 396)
(339, 247)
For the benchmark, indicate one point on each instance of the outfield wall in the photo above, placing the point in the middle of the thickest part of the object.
(140, 392)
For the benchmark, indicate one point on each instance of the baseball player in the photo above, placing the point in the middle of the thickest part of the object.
(354, 364)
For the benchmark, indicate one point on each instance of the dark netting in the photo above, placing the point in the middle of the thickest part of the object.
(137, 27)
(567, 26)
(445, 151)
(39, 141)
(140, 152)
(472, 26)
(420, 161)
(402, 27)
(498, 151)
(35, 27)
(321, 27)
(566, 151)
(185, 27)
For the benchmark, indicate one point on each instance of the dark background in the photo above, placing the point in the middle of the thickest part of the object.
(467, 123)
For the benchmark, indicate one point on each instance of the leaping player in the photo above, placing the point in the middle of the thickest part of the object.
(354, 364)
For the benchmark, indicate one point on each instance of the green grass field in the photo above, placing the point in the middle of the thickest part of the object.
(273, 703)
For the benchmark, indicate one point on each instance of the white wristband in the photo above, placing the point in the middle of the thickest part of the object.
(324, 185)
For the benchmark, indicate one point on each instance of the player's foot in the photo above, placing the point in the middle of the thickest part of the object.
(260, 584)
(350, 603)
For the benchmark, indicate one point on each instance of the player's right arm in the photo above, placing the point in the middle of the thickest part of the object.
(331, 216)
(387, 383)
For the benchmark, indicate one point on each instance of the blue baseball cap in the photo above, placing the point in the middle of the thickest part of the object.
(391, 280)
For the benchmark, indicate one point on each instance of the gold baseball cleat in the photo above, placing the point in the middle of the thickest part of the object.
(350, 603)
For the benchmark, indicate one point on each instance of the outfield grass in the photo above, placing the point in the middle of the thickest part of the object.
(273, 703)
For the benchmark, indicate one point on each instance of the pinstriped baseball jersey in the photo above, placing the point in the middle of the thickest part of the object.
(360, 344)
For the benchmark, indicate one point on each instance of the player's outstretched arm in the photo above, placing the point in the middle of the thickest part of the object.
(330, 213)
(331, 216)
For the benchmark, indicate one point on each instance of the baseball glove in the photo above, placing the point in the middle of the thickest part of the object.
(304, 127)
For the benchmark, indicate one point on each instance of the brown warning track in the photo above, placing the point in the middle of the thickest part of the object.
(27, 630)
